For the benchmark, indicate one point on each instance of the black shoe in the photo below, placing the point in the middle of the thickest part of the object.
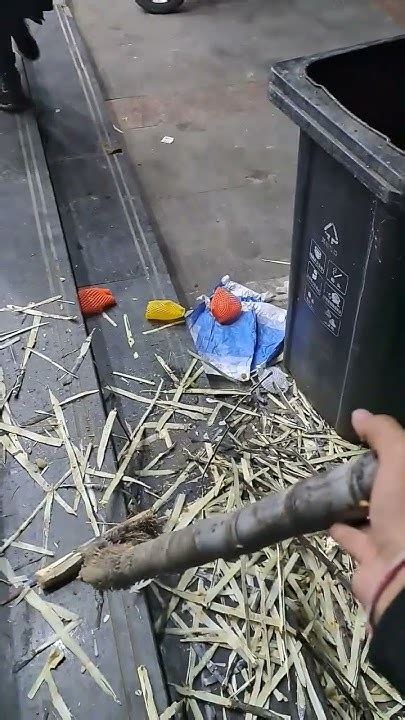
(26, 44)
(12, 96)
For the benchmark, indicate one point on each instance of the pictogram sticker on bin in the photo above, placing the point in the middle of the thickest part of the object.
(333, 299)
(317, 256)
(323, 312)
(326, 283)
(337, 277)
(315, 278)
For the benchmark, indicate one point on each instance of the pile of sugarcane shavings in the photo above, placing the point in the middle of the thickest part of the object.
(285, 616)
(275, 634)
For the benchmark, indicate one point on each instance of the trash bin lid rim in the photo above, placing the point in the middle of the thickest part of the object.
(378, 157)
(378, 185)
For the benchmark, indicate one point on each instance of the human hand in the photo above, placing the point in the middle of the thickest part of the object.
(381, 544)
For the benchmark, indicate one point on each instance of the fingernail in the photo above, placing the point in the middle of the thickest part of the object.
(360, 414)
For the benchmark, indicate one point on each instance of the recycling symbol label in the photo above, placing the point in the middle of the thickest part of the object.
(330, 234)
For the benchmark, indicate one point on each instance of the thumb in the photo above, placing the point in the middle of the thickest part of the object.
(356, 542)
(381, 432)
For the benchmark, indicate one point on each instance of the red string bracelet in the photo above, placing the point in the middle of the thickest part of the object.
(389, 576)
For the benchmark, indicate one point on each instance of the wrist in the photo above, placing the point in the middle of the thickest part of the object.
(391, 583)
(388, 595)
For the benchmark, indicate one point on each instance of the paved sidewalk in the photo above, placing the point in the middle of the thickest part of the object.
(222, 193)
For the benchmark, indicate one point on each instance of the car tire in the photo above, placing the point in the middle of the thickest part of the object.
(163, 7)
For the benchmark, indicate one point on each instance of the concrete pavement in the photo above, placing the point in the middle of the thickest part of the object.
(222, 193)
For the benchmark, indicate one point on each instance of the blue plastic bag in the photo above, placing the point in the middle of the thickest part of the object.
(236, 350)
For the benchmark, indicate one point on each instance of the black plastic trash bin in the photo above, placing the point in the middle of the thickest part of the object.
(345, 342)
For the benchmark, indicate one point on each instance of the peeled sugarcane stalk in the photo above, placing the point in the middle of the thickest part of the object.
(133, 550)
(311, 505)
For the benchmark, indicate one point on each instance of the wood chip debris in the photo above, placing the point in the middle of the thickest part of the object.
(127, 376)
(76, 470)
(28, 350)
(53, 362)
(163, 327)
(130, 337)
(29, 435)
(109, 319)
(17, 333)
(147, 693)
(105, 436)
(82, 354)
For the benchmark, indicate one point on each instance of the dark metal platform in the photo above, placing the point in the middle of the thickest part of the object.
(71, 214)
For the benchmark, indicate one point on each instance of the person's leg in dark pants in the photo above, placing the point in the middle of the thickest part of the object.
(22, 37)
(12, 97)
(7, 59)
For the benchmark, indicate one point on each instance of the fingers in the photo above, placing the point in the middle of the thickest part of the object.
(382, 433)
(355, 542)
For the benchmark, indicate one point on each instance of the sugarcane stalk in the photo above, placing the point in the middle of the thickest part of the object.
(311, 505)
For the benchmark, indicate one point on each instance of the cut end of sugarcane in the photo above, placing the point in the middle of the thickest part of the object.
(107, 567)
(60, 572)
(126, 535)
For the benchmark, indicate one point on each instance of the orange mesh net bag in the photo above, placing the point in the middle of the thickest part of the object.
(225, 307)
(95, 300)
